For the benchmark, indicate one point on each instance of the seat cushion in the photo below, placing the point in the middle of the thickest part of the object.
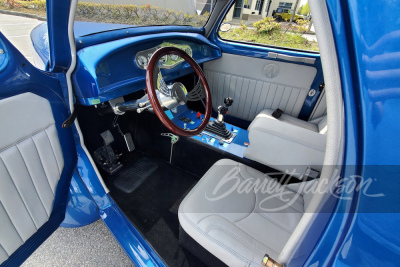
(286, 144)
(265, 117)
(239, 214)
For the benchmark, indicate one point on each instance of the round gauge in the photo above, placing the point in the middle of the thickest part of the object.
(188, 51)
(163, 59)
(142, 61)
(174, 57)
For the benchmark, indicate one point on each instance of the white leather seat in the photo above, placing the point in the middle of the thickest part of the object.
(241, 227)
(287, 144)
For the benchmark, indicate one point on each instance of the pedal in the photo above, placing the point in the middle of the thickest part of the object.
(129, 142)
(107, 136)
(105, 155)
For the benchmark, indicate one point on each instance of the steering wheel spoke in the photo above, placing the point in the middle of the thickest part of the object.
(197, 93)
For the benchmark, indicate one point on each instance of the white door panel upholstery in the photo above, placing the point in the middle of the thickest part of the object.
(31, 163)
(256, 84)
(242, 226)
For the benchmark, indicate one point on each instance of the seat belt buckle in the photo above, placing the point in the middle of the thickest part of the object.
(310, 174)
(277, 113)
(269, 262)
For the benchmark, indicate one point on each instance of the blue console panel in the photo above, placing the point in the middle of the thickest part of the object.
(109, 70)
(236, 147)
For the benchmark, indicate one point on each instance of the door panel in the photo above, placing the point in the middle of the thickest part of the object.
(35, 166)
(256, 84)
(30, 166)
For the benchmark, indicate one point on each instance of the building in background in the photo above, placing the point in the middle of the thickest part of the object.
(258, 9)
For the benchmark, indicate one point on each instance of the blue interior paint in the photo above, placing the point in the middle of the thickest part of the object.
(57, 20)
(112, 35)
(124, 75)
(3, 57)
(91, 181)
(138, 250)
(19, 77)
(237, 147)
(40, 42)
(373, 237)
(81, 209)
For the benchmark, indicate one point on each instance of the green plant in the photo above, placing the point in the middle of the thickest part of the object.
(266, 25)
(243, 25)
(122, 14)
(304, 10)
(274, 38)
(301, 26)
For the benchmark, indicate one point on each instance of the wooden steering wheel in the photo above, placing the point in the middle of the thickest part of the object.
(151, 85)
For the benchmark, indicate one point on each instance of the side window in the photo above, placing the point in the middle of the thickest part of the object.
(271, 23)
(26, 29)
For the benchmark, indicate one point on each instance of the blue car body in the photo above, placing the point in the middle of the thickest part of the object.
(361, 231)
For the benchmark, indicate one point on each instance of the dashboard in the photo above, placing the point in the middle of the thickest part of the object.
(167, 61)
(117, 68)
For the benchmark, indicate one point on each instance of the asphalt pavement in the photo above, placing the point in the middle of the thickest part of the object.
(17, 30)
(92, 245)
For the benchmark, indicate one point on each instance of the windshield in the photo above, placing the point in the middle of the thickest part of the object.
(115, 14)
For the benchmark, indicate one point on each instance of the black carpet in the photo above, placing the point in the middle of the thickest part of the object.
(151, 200)
(153, 206)
(134, 176)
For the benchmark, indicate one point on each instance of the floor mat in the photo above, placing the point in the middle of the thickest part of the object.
(133, 177)
(153, 207)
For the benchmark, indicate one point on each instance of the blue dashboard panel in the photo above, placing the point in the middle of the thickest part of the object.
(109, 70)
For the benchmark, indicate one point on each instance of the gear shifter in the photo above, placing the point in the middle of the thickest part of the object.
(218, 126)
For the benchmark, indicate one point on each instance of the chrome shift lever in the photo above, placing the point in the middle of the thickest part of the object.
(174, 139)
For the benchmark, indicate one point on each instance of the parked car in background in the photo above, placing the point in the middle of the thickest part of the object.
(285, 14)
(127, 121)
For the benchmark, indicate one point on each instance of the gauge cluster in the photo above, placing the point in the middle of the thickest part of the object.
(167, 62)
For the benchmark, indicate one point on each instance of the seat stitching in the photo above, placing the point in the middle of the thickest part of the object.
(274, 222)
(16, 230)
(286, 189)
(289, 206)
(41, 163)
(215, 226)
(37, 192)
(290, 191)
(54, 153)
(263, 130)
(25, 138)
(19, 193)
(233, 252)
(8, 255)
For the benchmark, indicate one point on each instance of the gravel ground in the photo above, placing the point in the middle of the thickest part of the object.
(92, 245)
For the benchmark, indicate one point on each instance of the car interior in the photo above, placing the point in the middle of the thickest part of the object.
(167, 116)
(159, 178)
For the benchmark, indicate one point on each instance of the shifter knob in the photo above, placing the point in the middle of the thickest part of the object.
(228, 101)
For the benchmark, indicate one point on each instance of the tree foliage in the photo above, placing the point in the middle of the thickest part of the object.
(304, 10)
